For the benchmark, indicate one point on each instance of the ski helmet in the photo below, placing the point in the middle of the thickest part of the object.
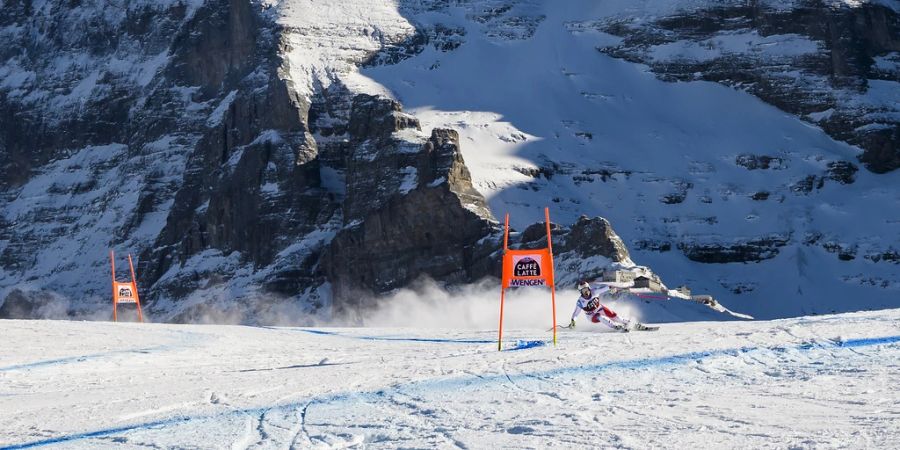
(585, 288)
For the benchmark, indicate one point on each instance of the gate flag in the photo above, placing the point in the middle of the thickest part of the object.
(124, 292)
(527, 268)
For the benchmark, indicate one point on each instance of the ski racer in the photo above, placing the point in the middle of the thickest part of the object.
(589, 302)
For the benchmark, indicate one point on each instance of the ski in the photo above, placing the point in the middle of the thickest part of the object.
(642, 327)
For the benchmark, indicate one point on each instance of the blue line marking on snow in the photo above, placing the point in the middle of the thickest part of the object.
(456, 383)
(98, 433)
(869, 341)
(522, 345)
(327, 333)
(389, 338)
(159, 424)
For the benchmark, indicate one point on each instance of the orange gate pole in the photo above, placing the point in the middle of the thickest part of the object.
(552, 273)
(500, 338)
(112, 262)
(503, 281)
(137, 298)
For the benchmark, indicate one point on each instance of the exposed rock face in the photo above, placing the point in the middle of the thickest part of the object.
(753, 250)
(832, 63)
(842, 171)
(430, 227)
(592, 237)
(98, 127)
(535, 236)
(251, 184)
(890, 256)
(166, 130)
(760, 162)
(50, 107)
(582, 251)
(440, 37)
(587, 237)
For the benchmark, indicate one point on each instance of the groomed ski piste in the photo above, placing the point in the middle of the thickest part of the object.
(809, 382)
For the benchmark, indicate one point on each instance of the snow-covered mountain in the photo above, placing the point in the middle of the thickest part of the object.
(276, 158)
(706, 184)
(810, 382)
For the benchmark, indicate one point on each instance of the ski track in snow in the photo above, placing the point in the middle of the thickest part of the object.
(76, 359)
(725, 381)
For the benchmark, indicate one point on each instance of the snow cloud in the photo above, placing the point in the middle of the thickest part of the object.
(477, 306)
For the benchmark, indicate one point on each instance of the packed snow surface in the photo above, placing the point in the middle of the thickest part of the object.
(823, 381)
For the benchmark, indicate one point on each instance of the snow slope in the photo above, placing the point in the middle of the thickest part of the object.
(807, 382)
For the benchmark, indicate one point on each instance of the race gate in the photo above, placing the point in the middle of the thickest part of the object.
(527, 268)
(126, 293)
